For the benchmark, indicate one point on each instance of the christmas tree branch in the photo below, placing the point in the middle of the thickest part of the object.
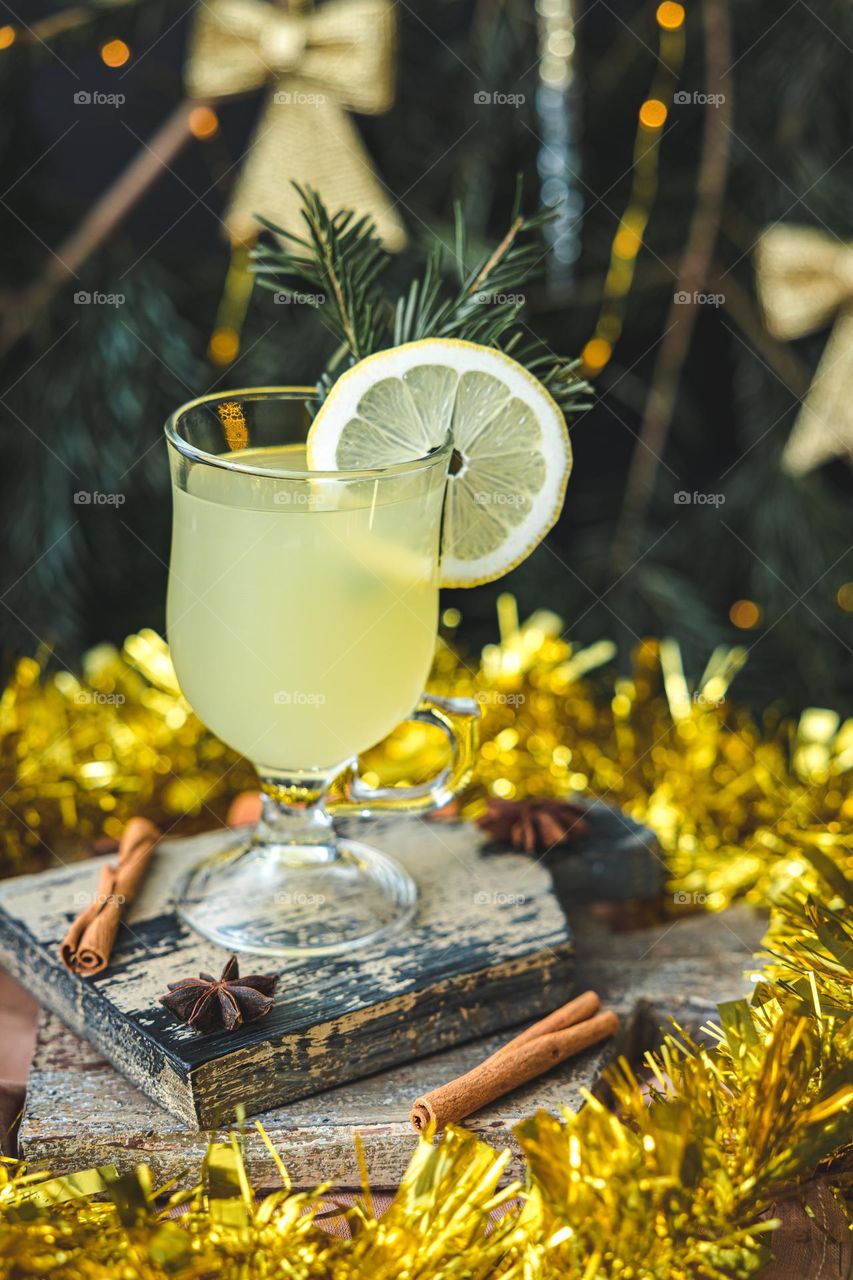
(343, 260)
(499, 253)
(328, 260)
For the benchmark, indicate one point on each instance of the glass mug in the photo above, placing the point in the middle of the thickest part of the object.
(302, 618)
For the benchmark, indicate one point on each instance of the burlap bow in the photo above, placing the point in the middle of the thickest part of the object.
(319, 63)
(805, 280)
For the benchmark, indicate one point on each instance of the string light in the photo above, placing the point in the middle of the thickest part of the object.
(628, 238)
(203, 123)
(558, 161)
(596, 353)
(745, 614)
(224, 345)
(7, 36)
(653, 114)
(670, 16)
(115, 53)
(626, 242)
(844, 596)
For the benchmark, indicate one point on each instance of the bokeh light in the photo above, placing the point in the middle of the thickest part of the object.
(115, 53)
(224, 345)
(844, 596)
(745, 614)
(670, 16)
(596, 353)
(203, 122)
(652, 113)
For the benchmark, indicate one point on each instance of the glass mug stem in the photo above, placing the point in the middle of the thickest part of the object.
(293, 824)
(305, 889)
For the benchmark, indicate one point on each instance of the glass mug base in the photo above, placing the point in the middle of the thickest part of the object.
(297, 901)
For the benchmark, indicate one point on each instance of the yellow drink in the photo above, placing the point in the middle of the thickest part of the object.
(302, 613)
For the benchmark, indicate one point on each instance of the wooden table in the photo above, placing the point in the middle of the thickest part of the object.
(81, 1112)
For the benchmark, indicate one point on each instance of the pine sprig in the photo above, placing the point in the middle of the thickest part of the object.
(487, 302)
(343, 260)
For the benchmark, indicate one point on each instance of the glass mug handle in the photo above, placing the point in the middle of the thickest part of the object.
(458, 718)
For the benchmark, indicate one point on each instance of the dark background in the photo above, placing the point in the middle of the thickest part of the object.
(85, 393)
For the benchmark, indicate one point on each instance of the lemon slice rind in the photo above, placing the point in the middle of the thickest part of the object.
(396, 405)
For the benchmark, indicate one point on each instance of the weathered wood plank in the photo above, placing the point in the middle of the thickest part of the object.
(80, 1112)
(489, 940)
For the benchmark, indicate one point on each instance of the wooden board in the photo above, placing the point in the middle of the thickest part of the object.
(81, 1113)
(489, 940)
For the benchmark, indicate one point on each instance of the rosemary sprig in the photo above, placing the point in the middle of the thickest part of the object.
(343, 260)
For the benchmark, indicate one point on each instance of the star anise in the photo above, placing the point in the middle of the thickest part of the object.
(208, 1004)
(533, 825)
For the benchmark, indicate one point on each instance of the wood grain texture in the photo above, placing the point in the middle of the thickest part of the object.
(489, 941)
(80, 1112)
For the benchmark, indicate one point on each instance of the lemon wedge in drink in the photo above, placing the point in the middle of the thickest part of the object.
(511, 455)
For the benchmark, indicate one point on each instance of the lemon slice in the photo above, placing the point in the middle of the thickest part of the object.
(511, 457)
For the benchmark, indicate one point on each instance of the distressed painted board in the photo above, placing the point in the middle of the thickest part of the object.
(80, 1112)
(489, 945)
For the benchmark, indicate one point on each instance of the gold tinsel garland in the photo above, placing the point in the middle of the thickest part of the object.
(78, 757)
(735, 803)
(670, 1184)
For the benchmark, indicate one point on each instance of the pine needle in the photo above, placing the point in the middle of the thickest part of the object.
(342, 259)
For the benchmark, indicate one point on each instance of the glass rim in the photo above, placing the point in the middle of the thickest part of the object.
(195, 454)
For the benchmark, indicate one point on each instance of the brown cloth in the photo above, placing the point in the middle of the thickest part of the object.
(567, 1031)
(812, 1241)
(88, 944)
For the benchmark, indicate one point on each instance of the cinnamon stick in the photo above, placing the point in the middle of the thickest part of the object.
(88, 944)
(568, 1015)
(568, 1030)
